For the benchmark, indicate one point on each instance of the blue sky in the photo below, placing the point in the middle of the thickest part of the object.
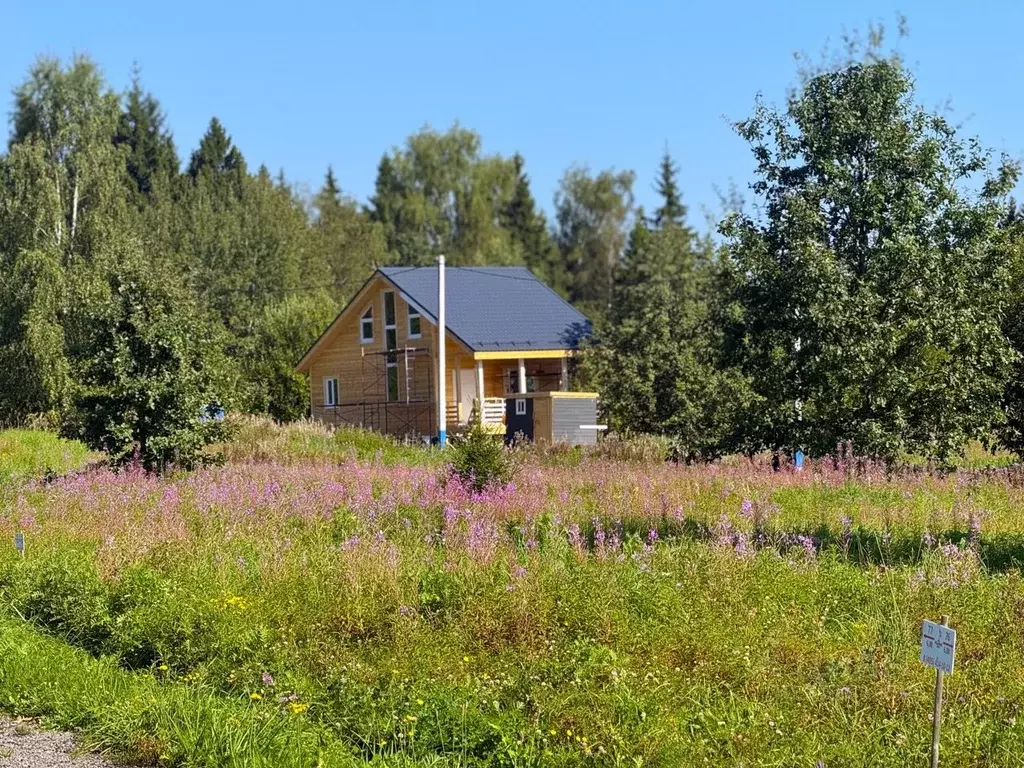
(303, 85)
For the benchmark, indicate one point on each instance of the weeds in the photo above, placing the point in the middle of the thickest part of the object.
(595, 613)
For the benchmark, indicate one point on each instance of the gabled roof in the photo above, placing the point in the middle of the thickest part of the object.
(494, 308)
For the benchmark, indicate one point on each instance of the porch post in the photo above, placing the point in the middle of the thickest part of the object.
(522, 376)
(563, 381)
(480, 387)
(458, 388)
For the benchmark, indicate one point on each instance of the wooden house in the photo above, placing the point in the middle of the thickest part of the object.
(508, 335)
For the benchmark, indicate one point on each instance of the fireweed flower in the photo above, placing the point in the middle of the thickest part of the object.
(747, 508)
(267, 679)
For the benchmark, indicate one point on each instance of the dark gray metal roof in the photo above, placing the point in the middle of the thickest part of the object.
(494, 308)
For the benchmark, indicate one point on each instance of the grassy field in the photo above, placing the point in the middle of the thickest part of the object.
(329, 599)
(28, 453)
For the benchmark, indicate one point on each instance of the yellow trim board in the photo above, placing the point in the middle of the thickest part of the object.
(574, 394)
(526, 354)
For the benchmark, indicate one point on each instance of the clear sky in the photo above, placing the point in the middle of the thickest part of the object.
(302, 85)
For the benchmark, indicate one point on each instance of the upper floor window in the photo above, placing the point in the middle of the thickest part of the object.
(330, 391)
(366, 326)
(390, 326)
(415, 323)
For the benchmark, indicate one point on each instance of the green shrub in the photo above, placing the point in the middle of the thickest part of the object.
(480, 458)
(66, 596)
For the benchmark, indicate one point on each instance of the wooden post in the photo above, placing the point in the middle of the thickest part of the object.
(458, 389)
(480, 388)
(937, 710)
(563, 383)
(522, 376)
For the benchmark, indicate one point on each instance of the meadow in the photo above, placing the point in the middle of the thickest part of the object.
(332, 599)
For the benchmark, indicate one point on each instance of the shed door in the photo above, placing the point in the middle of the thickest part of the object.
(518, 417)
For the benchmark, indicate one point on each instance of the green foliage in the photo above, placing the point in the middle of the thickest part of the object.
(145, 392)
(152, 160)
(293, 323)
(31, 453)
(528, 228)
(671, 211)
(254, 438)
(656, 358)
(1011, 433)
(439, 195)
(873, 287)
(591, 214)
(480, 459)
(352, 245)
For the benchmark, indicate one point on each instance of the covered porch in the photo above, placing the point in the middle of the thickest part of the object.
(490, 377)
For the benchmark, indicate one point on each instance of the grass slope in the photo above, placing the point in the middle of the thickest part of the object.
(29, 453)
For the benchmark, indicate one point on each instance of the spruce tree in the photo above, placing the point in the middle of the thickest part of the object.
(152, 160)
(529, 230)
(671, 211)
(216, 153)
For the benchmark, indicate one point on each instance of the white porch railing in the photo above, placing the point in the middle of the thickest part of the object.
(493, 411)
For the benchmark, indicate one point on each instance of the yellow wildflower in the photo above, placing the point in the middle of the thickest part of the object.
(255, 697)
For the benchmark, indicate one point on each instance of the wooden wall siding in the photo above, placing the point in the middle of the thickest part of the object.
(542, 428)
(364, 380)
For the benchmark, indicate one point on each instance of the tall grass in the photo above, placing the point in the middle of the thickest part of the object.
(255, 438)
(607, 613)
(30, 453)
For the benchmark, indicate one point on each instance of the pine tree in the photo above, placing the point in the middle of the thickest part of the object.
(346, 239)
(671, 211)
(656, 356)
(330, 189)
(216, 153)
(529, 230)
(151, 157)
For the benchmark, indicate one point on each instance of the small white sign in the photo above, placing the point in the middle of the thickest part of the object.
(938, 646)
(19, 542)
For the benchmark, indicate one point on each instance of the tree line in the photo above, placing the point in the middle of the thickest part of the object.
(874, 295)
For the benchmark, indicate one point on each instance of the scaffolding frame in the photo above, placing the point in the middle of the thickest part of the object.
(403, 415)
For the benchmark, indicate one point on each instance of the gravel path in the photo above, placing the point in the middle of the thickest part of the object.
(24, 745)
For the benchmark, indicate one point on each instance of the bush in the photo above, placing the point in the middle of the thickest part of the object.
(480, 458)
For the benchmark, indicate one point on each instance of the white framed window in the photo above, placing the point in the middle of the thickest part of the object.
(330, 391)
(366, 326)
(390, 344)
(415, 323)
(521, 406)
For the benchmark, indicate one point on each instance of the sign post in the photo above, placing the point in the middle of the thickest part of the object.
(938, 650)
(19, 543)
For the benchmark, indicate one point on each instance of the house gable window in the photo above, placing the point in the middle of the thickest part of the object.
(366, 326)
(415, 323)
(390, 344)
(330, 391)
